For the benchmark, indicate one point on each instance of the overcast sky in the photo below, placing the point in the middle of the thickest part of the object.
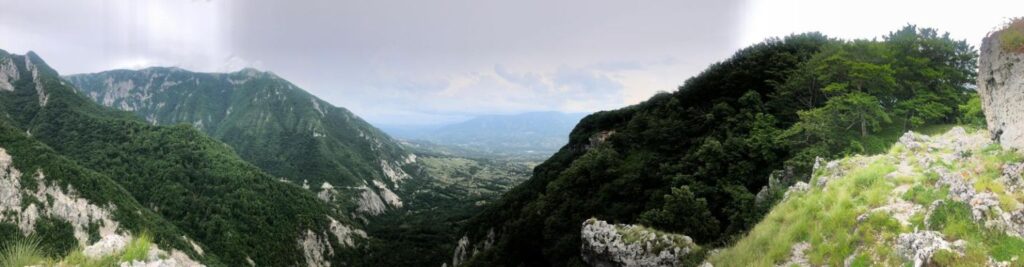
(419, 62)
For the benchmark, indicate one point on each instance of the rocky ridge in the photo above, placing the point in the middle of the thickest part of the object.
(905, 199)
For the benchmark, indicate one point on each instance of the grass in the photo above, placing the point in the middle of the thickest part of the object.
(925, 195)
(22, 252)
(987, 171)
(880, 142)
(831, 220)
(954, 220)
(1011, 35)
(28, 252)
(815, 216)
(631, 235)
(137, 249)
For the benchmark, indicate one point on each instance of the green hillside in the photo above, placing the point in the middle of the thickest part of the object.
(697, 161)
(270, 123)
(29, 168)
(231, 208)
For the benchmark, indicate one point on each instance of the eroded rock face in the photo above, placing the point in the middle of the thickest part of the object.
(467, 250)
(24, 206)
(8, 74)
(1001, 86)
(631, 245)
(318, 248)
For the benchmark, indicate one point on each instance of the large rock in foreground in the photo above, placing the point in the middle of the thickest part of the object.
(607, 245)
(1001, 86)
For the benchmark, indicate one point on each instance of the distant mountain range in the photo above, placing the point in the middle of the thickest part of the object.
(536, 134)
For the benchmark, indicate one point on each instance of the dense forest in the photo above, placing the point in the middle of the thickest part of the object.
(55, 235)
(722, 149)
(267, 120)
(235, 210)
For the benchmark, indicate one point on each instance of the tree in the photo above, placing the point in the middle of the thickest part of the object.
(685, 213)
(933, 72)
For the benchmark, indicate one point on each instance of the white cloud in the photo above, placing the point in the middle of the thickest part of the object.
(969, 20)
(89, 36)
(397, 61)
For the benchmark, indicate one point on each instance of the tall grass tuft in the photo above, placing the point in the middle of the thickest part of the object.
(137, 249)
(24, 252)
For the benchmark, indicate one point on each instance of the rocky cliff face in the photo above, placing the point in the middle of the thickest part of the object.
(1001, 86)
(25, 205)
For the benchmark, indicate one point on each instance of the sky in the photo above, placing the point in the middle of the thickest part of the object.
(402, 62)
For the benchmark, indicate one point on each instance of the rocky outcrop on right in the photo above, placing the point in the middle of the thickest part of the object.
(1001, 86)
(944, 200)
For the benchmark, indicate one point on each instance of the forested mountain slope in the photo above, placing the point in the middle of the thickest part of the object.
(697, 161)
(65, 206)
(229, 207)
(271, 123)
(287, 132)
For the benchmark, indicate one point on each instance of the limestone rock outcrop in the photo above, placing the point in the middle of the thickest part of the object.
(1001, 86)
(607, 244)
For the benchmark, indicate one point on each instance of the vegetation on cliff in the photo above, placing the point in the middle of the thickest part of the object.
(712, 144)
(1011, 35)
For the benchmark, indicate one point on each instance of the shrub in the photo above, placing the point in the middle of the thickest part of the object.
(1011, 36)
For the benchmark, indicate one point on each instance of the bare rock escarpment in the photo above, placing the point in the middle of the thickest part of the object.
(1001, 86)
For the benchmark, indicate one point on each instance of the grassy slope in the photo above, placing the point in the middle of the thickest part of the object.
(830, 219)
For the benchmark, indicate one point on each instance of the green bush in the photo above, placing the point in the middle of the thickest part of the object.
(1011, 36)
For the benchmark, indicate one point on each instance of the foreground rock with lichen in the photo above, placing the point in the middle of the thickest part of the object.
(607, 244)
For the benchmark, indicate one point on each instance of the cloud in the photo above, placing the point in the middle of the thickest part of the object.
(970, 21)
(402, 61)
